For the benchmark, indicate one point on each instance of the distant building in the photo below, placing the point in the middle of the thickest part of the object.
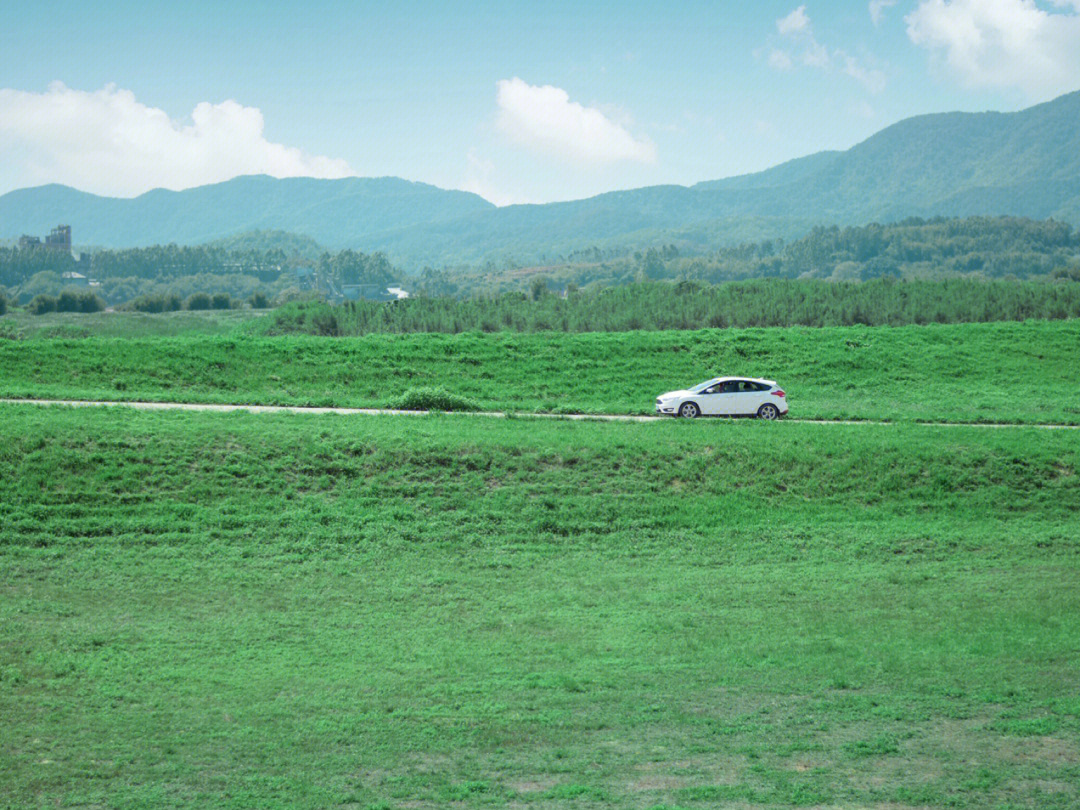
(73, 279)
(59, 238)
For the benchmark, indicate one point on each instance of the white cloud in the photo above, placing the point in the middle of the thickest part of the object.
(480, 179)
(108, 142)
(798, 35)
(877, 9)
(781, 60)
(795, 28)
(546, 120)
(871, 78)
(793, 22)
(1002, 43)
(816, 54)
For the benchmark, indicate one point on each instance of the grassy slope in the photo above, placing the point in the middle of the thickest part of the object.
(1002, 372)
(21, 325)
(278, 611)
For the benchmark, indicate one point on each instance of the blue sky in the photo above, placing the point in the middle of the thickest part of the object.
(517, 101)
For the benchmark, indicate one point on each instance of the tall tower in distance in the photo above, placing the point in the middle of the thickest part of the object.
(59, 238)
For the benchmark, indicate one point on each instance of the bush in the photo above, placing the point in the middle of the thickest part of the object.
(538, 288)
(259, 300)
(221, 301)
(155, 302)
(79, 301)
(41, 304)
(198, 301)
(308, 317)
(295, 294)
(432, 399)
(3, 305)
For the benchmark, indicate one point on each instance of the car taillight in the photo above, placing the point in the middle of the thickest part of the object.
(778, 393)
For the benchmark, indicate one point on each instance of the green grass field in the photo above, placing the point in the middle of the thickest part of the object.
(379, 612)
(999, 372)
(21, 325)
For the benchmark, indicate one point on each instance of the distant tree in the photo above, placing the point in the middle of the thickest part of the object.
(41, 304)
(538, 287)
(221, 301)
(155, 303)
(694, 305)
(259, 300)
(653, 263)
(45, 282)
(79, 301)
(198, 301)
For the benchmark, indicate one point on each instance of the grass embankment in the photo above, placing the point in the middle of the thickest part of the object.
(282, 611)
(1005, 372)
(21, 325)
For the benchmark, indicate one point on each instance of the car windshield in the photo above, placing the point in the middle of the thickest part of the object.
(701, 385)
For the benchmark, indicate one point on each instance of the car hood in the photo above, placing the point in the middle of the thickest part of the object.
(674, 394)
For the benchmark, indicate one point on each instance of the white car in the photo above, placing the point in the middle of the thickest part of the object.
(726, 396)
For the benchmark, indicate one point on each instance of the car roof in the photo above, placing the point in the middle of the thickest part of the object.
(751, 379)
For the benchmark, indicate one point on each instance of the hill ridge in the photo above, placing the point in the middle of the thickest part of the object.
(1023, 163)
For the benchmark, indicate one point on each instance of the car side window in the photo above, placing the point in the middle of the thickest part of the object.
(712, 389)
(729, 387)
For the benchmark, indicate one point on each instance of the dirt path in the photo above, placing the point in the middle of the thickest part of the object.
(219, 408)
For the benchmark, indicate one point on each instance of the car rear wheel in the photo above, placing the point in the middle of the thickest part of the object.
(689, 410)
(768, 411)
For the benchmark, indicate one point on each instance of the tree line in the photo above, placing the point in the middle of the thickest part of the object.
(938, 248)
(914, 248)
(123, 275)
(696, 305)
(171, 261)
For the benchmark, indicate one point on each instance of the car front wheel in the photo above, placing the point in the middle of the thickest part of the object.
(689, 410)
(768, 411)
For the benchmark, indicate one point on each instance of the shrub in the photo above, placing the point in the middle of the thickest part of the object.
(79, 301)
(41, 304)
(155, 302)
(221, 301)
(198, 301)
(432, 399)
(3, 304)
(538, 288)
(294, 295)
(259, 300)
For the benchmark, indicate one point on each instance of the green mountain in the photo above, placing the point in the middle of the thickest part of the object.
(1025, 164)
(336, 213)
(782, 175)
